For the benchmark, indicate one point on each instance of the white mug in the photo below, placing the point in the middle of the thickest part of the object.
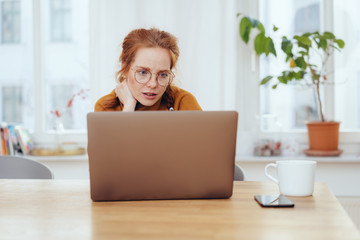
(295, 177)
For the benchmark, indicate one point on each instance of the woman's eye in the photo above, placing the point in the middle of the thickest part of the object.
(163, 75)
(143, 72)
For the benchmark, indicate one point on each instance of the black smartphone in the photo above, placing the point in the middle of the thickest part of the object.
(273, 201)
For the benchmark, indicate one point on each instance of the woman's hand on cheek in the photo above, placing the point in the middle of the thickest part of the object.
(124, 94)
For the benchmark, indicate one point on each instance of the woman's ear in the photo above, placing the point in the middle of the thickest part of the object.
(122, 78)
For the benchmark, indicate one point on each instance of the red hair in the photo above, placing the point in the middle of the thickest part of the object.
(149, 38)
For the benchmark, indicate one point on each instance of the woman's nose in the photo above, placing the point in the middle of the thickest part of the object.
(152, 83)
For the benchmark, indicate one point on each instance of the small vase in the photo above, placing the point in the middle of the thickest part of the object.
(59, 131)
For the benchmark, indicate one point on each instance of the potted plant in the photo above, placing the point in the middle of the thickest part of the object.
(301, 69)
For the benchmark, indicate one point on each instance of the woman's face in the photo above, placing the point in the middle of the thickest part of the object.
(155, 60)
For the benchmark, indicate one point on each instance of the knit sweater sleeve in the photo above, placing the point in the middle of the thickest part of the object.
(184, 100)
(99, 107)
(103, 103)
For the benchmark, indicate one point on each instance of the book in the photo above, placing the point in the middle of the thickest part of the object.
(13, 140)
(9, 146)
(5, 147)
(25, 141)
(2, 142)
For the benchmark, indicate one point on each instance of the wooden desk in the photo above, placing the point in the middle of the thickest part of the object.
(62, 209)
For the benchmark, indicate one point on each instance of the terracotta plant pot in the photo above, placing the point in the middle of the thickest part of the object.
(323, 138)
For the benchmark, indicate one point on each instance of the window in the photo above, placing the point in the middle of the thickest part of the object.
(66, 66)
(307, 16)
(16, 74)
(43, 74)
(53, 63)
(12, 104)
(10, 21)
(71, 103)
(60, 14)
(289, 106)
(347, 64)
(293, 106)
(271, 114)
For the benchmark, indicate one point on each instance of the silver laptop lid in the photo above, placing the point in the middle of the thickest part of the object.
(161, 155)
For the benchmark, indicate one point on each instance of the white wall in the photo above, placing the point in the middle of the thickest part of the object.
(207, 64)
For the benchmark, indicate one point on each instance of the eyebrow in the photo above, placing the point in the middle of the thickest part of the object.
(146, 68)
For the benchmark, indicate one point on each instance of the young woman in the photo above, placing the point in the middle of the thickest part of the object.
(145, 78)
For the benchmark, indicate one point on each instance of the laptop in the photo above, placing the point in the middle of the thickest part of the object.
(161, 154)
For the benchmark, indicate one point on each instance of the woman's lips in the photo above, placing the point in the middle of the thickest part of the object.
(149, 95)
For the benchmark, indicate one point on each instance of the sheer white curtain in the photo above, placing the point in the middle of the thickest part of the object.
(347, 64)
(207, 37)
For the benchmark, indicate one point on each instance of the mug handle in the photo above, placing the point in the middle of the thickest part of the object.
(268, 175)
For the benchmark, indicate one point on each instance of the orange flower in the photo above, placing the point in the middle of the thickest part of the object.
(56, 112)
(292, 63)
(81, 93)
(69, 105)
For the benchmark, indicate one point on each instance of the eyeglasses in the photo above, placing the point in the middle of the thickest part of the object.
(163, 78)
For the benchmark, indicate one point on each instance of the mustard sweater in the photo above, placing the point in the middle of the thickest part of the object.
(183, 101)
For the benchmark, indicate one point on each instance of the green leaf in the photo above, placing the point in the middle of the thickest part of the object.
(238, 14)
(306, 47)
(286, 46)
(245, 29)
(299, 75)
(266, 80)
(275, 28)
(260, 44)
(254, 22)
(274, 86)
(303, 40)
(257, 24)
(340, 43)
(282, 79)
(270, 46)
(289, 76)
(300, 62)
(329, 35)
(306, 35)
(302, 74)
(261, 28)
(323, 43)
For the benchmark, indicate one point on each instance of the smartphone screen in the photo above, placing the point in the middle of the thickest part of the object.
(274, 201)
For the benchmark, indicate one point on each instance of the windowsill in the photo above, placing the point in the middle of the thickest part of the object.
(344, 158)
(72, 158)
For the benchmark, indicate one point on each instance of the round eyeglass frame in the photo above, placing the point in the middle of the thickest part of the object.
(172, 76)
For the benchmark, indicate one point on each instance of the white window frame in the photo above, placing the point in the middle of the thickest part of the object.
(63, 38)
(1, 32)
(41, 135)
(247, 101)
(248, 92)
